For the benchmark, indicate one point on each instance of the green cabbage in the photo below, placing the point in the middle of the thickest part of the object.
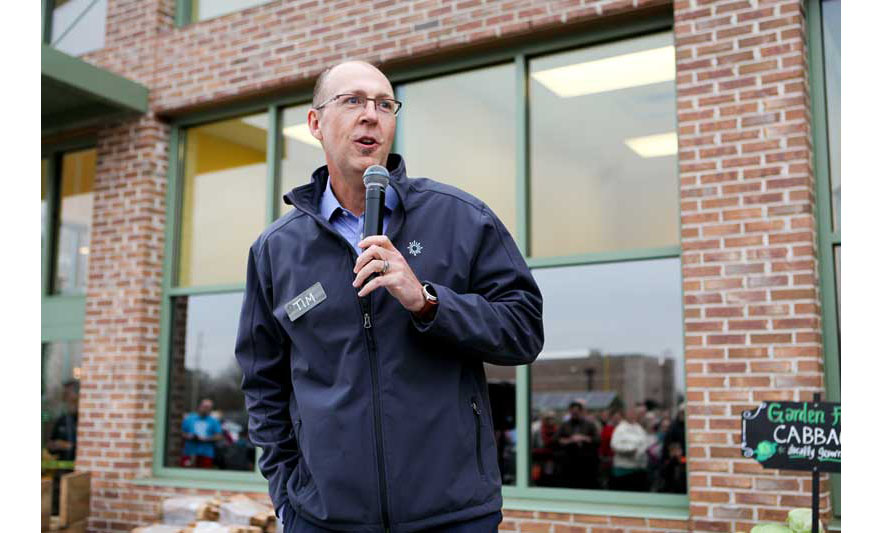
(770, 528)
(800, 521)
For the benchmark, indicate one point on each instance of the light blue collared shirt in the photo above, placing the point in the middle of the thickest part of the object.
(346, 223)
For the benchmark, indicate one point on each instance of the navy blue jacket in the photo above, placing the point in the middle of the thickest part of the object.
(368, 419)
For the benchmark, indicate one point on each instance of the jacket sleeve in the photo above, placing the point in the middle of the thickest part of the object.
(262, 353)
(499, 319)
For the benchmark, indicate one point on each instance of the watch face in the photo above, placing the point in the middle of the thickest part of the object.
(429, 291)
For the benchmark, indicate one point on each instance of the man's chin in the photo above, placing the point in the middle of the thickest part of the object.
(363, 162)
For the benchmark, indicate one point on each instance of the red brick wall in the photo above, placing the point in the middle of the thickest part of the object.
(121, 337)
(748, 230)
(750, 275)
(546, 522)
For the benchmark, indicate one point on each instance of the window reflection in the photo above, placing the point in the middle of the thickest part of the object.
(831, 15)
(224, 199)
(44, 202)
(60, 395)
(837, 266)
(78, 25)
(603, 147)
(206, 9)
(301, 152)
(608, 387)
(501, 384)
(460, 129)
(75, 221)
(60, 374)
(207, 421)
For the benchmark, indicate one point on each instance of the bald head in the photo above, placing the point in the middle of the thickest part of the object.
(319, 92)
(353, 136)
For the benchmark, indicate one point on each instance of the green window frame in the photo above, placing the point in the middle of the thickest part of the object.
(828, 239)
(521, 495)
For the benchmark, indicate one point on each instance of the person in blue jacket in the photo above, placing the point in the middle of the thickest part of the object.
(369, 399)
(200, 431)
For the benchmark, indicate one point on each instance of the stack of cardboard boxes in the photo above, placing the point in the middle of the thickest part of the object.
(202, 514)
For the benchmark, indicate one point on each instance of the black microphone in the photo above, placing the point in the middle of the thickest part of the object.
(376, 179)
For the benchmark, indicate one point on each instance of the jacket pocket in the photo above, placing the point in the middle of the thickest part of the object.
(478, 450)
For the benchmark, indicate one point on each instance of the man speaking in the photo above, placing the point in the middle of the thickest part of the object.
(362, 358)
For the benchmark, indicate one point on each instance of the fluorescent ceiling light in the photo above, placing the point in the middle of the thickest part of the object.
(611, 73)
(300, 132)
(654, 145)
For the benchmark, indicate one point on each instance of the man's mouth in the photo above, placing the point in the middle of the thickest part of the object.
(366, 142)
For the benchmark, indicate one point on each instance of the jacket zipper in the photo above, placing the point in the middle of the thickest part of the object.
(375, 388)
(365, 305)
(477, 411)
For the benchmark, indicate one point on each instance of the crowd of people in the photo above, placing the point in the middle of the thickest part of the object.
(640, 448)
(212, 442)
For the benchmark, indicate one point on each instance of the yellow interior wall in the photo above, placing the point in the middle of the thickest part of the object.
(207, 153)
(78, 172)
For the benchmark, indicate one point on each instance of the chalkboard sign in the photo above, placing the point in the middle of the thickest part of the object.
(794, 435)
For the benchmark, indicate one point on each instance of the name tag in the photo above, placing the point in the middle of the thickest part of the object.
(305, 301)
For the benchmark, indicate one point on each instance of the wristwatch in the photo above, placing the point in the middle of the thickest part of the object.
(427, 313)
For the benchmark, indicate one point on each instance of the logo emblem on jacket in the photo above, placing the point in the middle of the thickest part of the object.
(414, 248)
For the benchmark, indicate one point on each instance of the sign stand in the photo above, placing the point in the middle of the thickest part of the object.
(816, 485)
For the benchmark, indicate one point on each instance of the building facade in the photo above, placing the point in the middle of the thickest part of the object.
(670, 169)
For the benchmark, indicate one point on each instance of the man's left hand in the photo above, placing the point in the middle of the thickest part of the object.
(398, 279)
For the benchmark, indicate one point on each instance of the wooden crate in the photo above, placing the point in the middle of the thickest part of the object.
(76, 527)
(73, 506)
(45, 503)
(75, 495)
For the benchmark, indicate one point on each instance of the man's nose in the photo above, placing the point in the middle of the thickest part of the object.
(370, 113)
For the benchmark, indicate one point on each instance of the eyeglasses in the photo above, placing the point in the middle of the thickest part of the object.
(353, 102)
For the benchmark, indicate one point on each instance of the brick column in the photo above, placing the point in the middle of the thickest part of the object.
(118, 391)
(750, 275)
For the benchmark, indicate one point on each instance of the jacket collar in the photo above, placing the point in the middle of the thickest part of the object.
(308, 197)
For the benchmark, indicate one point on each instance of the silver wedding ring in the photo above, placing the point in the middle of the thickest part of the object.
(385, 267)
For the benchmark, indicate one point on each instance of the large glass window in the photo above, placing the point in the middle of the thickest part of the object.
(207, 422)
(832, 16)
(837, 267)
(78, 26)
(67, 177)
(824, 19)
(501, 383)
(206, 9)
(59, 377)
(608, 387)
(59, 414)
(603, 148)
(74, 222)
(460, 130)
(598, 192)
(44, 200)
(301, 152)
(224, 199)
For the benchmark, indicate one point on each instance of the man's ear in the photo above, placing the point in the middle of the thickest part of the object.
(312, 119)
